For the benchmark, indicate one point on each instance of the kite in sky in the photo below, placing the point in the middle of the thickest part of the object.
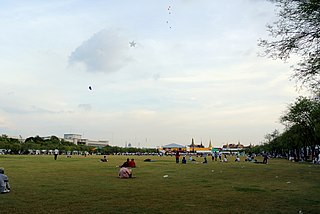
(90, 88)
(169, 11)
(133, 44)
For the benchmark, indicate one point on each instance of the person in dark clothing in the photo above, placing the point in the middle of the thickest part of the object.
(205, 160)
(177, 157)
(184, 161)
(104, 159)
(265, 159)
(126, 164)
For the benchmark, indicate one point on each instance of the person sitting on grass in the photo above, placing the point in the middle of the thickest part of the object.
(184, 161)
(237, 159)
(205, 160)
(104, 159)
(225, 159)
(191, 158)
(4, 182)
(131, 163)
(125, 173)
(125, 164)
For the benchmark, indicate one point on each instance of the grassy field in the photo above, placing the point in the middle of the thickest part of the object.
(85, 185)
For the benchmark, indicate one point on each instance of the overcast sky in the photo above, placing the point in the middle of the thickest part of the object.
(192, 72)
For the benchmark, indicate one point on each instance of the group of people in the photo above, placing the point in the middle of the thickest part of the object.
(215, 157)
(4, 182)
(218, 156)
(125, 171)
(253, 160)
(184, 160)
(129, 163)
(316, 160)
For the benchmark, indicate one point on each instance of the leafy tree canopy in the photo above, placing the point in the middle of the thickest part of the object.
(297, 31)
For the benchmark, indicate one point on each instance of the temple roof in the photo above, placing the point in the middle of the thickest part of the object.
(173, 145)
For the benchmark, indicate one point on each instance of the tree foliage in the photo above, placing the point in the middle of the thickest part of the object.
(302, 130)
(297, 32)
(38, 143)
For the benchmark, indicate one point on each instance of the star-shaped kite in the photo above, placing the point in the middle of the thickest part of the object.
(133, 44)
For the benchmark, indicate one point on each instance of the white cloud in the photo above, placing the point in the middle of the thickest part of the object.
(106, 51)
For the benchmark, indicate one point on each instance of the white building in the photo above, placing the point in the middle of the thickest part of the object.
(76, 139)
(73, 138)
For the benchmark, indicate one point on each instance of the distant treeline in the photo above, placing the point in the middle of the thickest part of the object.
(301, 137)
(16, 146)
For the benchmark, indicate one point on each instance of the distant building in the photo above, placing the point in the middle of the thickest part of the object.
(76, 139)
(99, 143)
(233, 148)
(194, 148)
(173, 147)
(73, 138)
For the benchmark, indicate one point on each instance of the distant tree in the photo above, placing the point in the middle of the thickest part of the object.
(295, 141)
(54, 140)
(271, 136)
(297, 32)
(303, 116)
(257, 149)
(3, 137)
(29, 140)
(15, 148)
(38, 140)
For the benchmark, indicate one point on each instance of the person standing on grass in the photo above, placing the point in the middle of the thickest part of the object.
(4, 182)
(265, 158)
(177, 157)
(56, 152)
(215, 156)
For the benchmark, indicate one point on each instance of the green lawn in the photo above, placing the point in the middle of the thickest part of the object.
(85, 185)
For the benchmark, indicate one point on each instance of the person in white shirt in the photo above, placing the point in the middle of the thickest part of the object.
(237, 159)
(4, 182)
(225, 158)
(56, 152)
(125, 173)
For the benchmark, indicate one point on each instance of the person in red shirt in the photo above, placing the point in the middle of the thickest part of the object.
(131, 163)
(177, 157)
